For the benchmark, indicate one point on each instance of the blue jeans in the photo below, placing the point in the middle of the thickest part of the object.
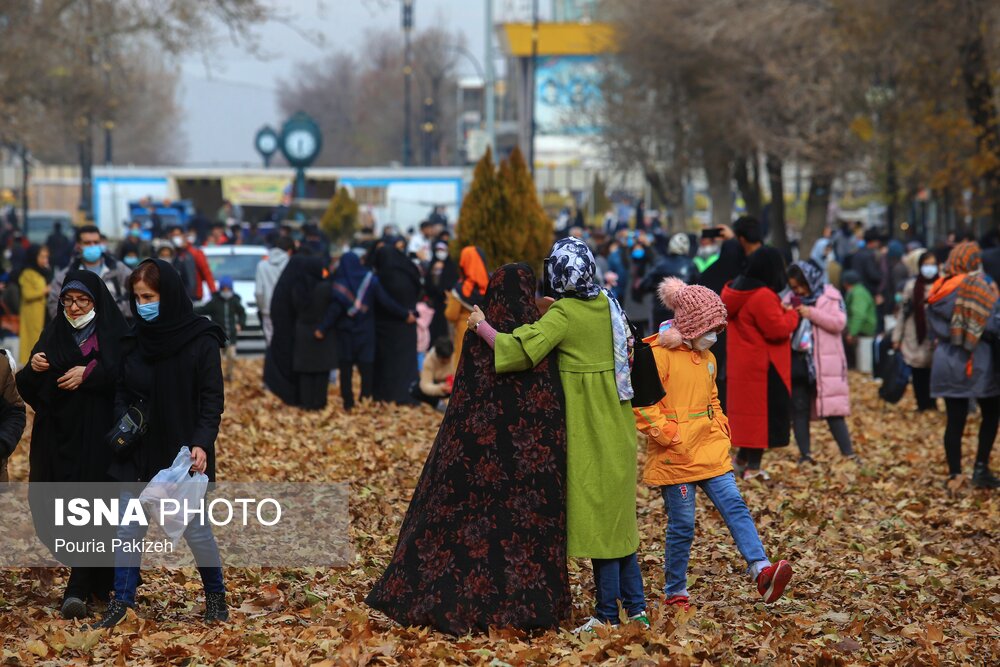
(200, 540)
(618, 579)
(678, 500)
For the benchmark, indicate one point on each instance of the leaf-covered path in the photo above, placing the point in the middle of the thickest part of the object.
(891, 566)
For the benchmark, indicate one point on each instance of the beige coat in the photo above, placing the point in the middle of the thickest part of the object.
(915, 353)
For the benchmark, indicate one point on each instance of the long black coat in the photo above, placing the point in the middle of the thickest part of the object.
(310, 354)
(68, 442)
(186, 401)
(395, 340)
(173, 364)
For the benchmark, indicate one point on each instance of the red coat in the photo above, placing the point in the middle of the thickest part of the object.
(758, 338)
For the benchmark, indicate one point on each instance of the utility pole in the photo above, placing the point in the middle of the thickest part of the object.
(534, 85)
(407, 76)
(489, 85)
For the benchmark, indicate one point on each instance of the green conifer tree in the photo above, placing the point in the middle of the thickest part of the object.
(341, 217)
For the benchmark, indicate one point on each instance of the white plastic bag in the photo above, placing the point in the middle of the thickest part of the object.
(175, 484)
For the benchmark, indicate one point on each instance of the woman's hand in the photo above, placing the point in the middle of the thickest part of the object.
(39, 363)
(318, 335)
(199, 459)
(476, 317)
(72, 379)
(411, 318)
(803, 312)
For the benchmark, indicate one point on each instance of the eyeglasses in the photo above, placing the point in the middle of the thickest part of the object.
(82, 302)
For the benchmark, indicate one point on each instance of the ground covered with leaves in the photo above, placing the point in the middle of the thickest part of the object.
(891, 565)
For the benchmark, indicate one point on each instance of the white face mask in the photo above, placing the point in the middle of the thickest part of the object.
(929, 271)
(706, 341)
(178, 241)
(441, 255)
(81, 321)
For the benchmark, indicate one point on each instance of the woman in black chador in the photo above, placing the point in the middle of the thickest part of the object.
(483, 542)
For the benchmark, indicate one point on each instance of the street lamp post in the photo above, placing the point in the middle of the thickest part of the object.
(489, 87)
(407, 75)
(534, 85)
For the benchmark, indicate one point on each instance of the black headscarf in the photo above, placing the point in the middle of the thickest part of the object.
(31, 262)
(397, 274)
(292, 290)
(177, 324)
(765, 268)
(726, 268)
(58, 340)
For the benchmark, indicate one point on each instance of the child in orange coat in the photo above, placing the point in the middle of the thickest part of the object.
(688, 441)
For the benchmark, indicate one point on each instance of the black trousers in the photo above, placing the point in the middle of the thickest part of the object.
(922, 389)
(347, 381)
(85, 582)
(958, 412)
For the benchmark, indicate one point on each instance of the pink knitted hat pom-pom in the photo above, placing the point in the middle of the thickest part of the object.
(671, 338)
(669, 289)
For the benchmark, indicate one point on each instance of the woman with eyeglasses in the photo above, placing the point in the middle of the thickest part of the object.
(70, 384)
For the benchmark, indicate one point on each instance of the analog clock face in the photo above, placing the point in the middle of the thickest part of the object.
(267, 143)
(300, 144)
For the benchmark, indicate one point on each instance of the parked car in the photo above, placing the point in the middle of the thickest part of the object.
(41, 223)
(239, 262)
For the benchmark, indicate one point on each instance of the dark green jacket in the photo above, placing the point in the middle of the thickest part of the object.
(227, 313)
(861, 312)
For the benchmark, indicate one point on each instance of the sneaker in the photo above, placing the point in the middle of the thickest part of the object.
(807, 460)
(215, 608)
(854, 458)
(640, 618)
(681, 601)
(113, 615)
(760, 474)
(73, 608)
(772, 580)
(592, 623)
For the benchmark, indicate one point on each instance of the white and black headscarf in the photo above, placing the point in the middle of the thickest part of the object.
(572, 274)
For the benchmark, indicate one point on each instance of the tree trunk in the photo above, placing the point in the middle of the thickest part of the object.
(719, 174)
(749, 186)
(816, 209)
(776, 217)
(982, 108)
(86, 147)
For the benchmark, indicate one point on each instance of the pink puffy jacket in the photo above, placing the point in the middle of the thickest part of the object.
(829, 317)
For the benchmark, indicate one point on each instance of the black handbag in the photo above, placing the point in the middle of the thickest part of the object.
(129, 428)
(646, 384)
(895, 378)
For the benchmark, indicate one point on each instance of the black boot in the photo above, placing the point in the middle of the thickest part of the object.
(215, 608)
(982, 478)
(113, 615)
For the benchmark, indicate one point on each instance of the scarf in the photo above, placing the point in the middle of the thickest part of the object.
(572, 272)
(976, 295)
(813, 274)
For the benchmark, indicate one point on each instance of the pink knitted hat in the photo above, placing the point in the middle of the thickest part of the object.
(697, 309)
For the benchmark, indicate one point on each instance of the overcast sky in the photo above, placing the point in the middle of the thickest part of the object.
(226, 101)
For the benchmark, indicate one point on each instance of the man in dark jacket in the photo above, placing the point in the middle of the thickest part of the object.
(225, 308)
(93, 256)
(675, 264)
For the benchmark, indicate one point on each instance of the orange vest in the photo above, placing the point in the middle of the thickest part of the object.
(688, 437)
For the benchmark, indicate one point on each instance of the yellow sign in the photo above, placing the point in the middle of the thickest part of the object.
(255, 190)
(557, 39)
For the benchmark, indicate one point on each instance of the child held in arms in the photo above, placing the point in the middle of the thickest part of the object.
(688, 441)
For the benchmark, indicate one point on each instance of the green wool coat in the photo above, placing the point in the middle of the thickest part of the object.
(600, 429)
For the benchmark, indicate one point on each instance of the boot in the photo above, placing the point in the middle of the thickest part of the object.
(982, 478)
(113, 615)
(215, 608)
(4, 477)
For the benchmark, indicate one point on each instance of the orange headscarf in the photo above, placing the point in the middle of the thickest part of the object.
(474, 276)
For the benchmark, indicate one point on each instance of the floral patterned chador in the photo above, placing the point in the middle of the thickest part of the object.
(483, 542)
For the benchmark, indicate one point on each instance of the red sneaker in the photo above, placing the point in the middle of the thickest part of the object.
(678, 601)
(772, 580)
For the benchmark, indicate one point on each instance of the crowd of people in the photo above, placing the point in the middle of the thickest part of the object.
(535, 457)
